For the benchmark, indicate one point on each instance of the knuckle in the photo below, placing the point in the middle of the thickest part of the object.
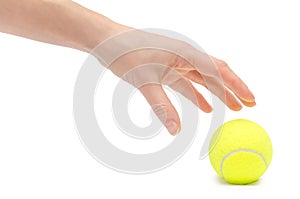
(234, 82)
(222, 64)
(160, 109)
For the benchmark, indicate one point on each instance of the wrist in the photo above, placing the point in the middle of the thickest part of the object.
(89, 28)
(101, 28)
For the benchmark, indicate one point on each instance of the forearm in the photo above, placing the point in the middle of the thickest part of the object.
(59, 22)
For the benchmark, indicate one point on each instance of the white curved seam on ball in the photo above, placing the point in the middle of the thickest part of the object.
(241, 150)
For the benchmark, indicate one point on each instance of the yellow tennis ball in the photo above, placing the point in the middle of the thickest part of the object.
(241, 151)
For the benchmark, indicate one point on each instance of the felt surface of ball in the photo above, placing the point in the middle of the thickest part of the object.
(240, 151)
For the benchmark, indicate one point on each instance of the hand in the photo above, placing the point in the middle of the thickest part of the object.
(171, 62)
(149, 61)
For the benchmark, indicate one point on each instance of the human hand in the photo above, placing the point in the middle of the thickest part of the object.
(149, 61)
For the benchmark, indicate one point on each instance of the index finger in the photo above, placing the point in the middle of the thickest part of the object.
(233, 82)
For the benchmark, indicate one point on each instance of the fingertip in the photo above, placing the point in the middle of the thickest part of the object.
(208, 109)
(247, 95)
(249, 104)
(172, 127)
(235, 107)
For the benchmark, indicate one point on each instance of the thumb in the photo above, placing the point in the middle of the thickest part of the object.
(162, 106)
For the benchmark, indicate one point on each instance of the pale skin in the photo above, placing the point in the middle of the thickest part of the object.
(66, 23)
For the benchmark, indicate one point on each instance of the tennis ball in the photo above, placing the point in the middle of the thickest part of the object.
(241, 151)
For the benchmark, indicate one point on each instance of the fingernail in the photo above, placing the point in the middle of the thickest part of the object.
(172, 127)
(247, 94)
(250, 98)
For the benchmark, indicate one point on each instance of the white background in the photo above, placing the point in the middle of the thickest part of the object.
(41, 155)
